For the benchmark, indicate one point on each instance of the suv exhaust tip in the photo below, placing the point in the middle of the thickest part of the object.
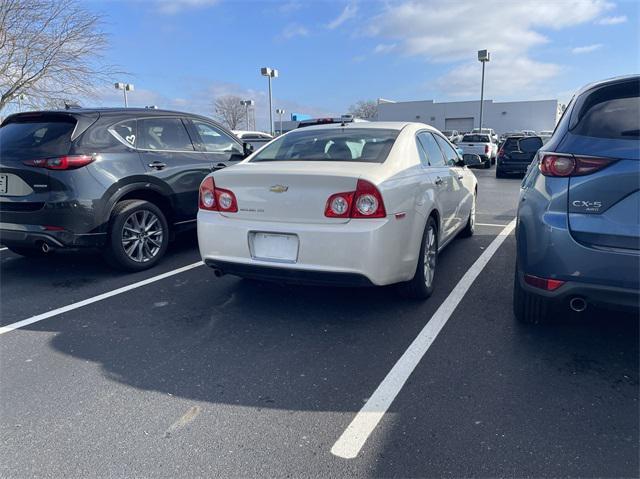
(45, 247)
(578, 304)
(219, 273)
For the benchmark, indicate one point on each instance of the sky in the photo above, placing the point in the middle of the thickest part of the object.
(182, 54)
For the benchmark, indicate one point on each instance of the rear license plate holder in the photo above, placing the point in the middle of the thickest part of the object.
(278, 247)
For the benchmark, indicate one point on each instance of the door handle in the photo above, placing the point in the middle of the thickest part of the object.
(438, 181)
(158, 165)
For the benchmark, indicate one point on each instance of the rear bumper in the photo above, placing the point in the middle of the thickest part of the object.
(34, 235)
(512, 168)
(360, 252)
(270, 273)
(609, 297)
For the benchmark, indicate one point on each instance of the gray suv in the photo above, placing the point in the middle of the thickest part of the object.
(122, 180)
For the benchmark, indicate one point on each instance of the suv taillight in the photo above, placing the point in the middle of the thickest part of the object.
(486, 149)
(554, 164)
(216, 199)
(501, 152)
(365, 202)
(70, 162)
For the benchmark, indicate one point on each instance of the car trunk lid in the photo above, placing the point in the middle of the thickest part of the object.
(288, 191)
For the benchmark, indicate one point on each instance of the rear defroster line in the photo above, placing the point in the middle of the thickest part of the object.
(95, 299)
(353, 438)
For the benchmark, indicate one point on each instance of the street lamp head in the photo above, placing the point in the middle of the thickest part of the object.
(483, 55)
(119, 85)
(269, 72)
(129, 87)
(279, 111)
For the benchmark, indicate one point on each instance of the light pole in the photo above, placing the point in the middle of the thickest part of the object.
(280, 112)
(21, 98)
(270, 73)
(483, 57)
(125, 87)
(247, 104)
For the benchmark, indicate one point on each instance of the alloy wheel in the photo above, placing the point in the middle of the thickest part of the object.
(430, 253)
(142, 236)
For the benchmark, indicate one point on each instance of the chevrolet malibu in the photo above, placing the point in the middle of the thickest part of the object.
(351, 204)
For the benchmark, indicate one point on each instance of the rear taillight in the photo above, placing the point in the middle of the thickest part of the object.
(212, 198)
(501, 152)
(486, 149)
(543, 283)
(365, 202)
(70, 162)
(552, 164)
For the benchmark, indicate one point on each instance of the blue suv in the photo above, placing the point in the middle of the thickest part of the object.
(578, 226)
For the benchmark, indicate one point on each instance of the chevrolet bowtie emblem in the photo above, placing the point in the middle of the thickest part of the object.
(279, 188)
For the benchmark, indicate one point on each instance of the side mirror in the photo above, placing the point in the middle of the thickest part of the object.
(247, 148)
(471, 160)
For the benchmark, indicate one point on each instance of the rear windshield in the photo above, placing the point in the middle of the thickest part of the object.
(475, 139)
(36, 139)
(511, 144)
(345, 144)
(610, 112)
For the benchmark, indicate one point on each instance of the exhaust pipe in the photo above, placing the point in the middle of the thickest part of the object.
(578, 304)
(45, 247)
(219, 273)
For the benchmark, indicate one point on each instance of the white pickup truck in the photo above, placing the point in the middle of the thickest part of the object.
(479, 144)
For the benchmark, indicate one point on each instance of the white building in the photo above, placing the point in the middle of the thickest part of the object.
(465, 115)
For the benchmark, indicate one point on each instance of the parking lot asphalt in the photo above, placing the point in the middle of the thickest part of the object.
(193, 375)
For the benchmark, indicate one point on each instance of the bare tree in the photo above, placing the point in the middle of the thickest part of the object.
(367, 110)
(50, 51)
(229, 111)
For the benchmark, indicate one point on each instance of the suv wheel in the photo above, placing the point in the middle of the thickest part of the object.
(421, 286)
(138, 235)
(529, 308)
(487, 164)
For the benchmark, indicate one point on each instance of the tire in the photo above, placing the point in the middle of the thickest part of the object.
(529, 308)
(487, 164)
(28, 251)
(421, 285)
(470, 227)
(129, 220)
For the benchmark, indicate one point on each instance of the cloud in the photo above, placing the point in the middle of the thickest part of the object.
(172, 7)
(586, 48)
(289, 7)
(441, 31)
(384, 48)
(612, 20)
(349, 12)
(293, 30)
(523, 77)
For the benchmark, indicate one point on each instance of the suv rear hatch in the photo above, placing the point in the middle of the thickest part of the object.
(32, 136)
(604, 206)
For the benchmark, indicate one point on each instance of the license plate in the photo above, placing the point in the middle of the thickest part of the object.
(274, 246)
(4, 184)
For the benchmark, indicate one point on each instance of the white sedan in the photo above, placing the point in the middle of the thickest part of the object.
(341, 204)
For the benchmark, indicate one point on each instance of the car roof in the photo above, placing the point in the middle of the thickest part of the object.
(607, 81)
(117, 111)
(374, 125)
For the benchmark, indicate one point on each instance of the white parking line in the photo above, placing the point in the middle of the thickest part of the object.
(491, 224)
(353, 438)
(95, 299)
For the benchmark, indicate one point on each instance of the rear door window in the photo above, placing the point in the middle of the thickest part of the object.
(451, 155)
(125, 132)
(163, 134)
(36, 139)
(431, 148)
(609, 112)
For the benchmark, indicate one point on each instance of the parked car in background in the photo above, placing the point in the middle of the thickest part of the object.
(452, 135)
(363, 204)
(528, 132)
(122, 180)
(257, 139)
(479, 144)
(578, 228)
(545, 135)
(331, 120)
(516, 154)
